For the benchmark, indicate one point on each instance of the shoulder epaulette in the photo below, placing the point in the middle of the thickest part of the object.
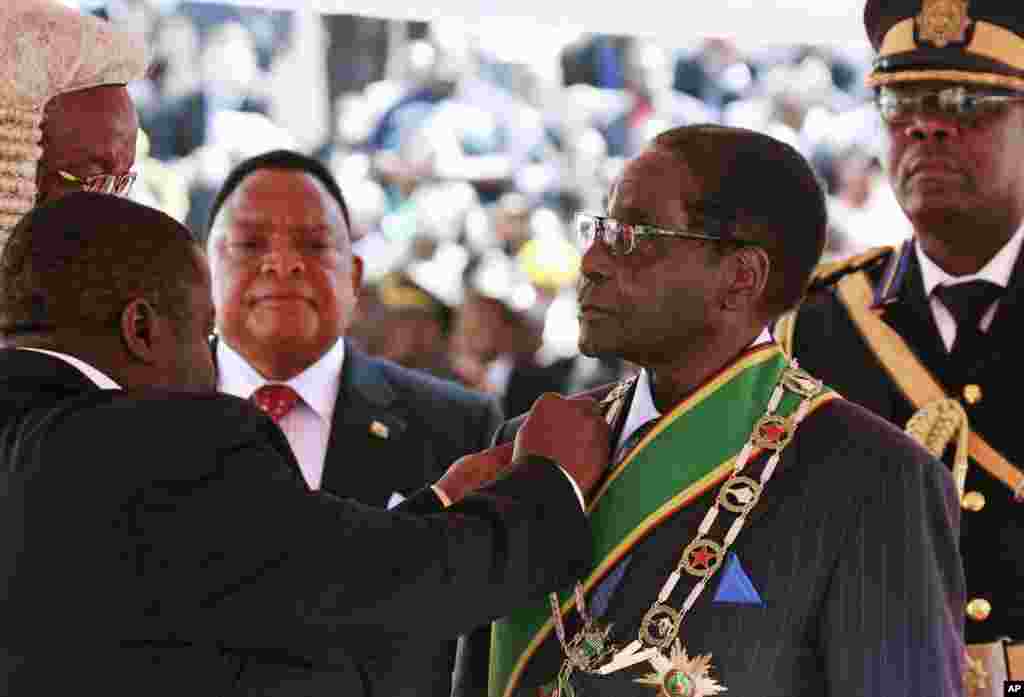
(829, 273)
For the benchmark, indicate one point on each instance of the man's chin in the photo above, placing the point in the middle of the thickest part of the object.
(593, 348)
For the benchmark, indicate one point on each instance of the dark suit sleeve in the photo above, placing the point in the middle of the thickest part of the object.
(431, 575)
(472, 660)
(891, 623)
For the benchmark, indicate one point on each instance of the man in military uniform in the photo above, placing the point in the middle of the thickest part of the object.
(927, 330)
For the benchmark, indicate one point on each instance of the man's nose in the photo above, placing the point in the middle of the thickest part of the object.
(284, 260)
(596, 264)
(931, 126)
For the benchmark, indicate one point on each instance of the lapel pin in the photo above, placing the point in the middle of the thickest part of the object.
(378, 429)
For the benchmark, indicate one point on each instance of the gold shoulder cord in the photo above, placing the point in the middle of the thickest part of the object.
(939, 418)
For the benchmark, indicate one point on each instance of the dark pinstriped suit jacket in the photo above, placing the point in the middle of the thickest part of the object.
(853, 551)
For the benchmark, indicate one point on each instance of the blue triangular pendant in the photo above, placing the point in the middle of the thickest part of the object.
(735, 586)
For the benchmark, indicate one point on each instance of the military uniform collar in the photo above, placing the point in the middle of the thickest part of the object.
(894, 274)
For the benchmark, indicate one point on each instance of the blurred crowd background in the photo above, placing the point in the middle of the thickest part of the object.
(464, 151)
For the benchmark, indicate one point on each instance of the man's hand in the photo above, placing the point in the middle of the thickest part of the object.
(570, 431)
(471, 472)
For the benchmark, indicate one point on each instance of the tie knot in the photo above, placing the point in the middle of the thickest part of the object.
(275, 400)
(968, 301)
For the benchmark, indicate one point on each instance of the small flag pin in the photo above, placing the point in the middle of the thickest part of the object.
(378, 429)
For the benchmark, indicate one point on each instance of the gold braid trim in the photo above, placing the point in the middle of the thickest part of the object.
(918, 385)
(935, 425)
(876, 78)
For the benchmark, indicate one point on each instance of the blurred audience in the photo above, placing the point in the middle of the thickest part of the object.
(462, 149)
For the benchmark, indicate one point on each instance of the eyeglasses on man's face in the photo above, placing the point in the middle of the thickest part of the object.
(116, 184)
(620, 238)
(899, 105)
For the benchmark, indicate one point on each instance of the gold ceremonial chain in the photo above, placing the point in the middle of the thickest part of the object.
(676, 674)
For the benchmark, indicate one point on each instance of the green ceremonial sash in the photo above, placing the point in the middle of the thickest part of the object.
(708, 429)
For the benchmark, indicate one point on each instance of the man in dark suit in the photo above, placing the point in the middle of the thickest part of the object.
(929, 330)
(759, 533)
(285, 283)
(159, 537)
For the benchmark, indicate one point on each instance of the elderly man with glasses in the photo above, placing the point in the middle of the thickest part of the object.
(756, 532)
(67, 121)
(925, 335)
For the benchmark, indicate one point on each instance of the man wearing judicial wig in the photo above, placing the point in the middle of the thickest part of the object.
(925, 335)
(756, 533)
(67, 121)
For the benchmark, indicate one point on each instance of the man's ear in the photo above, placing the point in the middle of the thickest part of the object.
(142, 330)
(748, 270)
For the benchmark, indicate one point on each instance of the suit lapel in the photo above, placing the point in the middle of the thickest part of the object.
(364, 451)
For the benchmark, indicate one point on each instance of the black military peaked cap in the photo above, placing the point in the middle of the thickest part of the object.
(969, 41)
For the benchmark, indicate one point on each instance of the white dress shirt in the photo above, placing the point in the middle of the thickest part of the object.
(997, 270)
(641, 407)
(308, 425)
(97, 376)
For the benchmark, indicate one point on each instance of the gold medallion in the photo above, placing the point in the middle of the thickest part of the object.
(942, 22)
(660, 626)
(739, 495)
(684, 676)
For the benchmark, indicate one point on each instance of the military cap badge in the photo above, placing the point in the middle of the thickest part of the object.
(942, 22)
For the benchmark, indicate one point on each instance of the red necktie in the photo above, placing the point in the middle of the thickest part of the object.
(275, 400)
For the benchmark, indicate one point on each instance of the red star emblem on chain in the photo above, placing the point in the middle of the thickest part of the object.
(703, 557)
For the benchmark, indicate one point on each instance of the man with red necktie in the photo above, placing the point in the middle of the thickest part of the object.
(285, 284)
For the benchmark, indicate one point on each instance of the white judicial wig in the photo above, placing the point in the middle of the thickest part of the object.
(47, 49)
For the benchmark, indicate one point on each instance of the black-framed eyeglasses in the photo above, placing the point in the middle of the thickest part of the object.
(620, 237)
(966, 104)
(116, 184)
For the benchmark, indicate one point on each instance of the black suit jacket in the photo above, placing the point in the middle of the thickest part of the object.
(828, 344)
(165, 543)
(853, 552)
(430, 423)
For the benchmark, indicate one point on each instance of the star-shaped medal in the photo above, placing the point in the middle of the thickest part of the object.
(682, 676)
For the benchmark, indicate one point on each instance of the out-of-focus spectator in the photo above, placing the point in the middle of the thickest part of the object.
(649, 104)
(159, 185)
(498, 335)
(419, 305)
(595, 59)
(229, 81)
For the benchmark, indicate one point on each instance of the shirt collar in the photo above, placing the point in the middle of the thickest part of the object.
(97, 376)
(642, 409)
(998, 269)
(317, 385)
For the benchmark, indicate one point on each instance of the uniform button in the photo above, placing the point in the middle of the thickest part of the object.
(979, 609)
(972, 393)
(973, 501)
